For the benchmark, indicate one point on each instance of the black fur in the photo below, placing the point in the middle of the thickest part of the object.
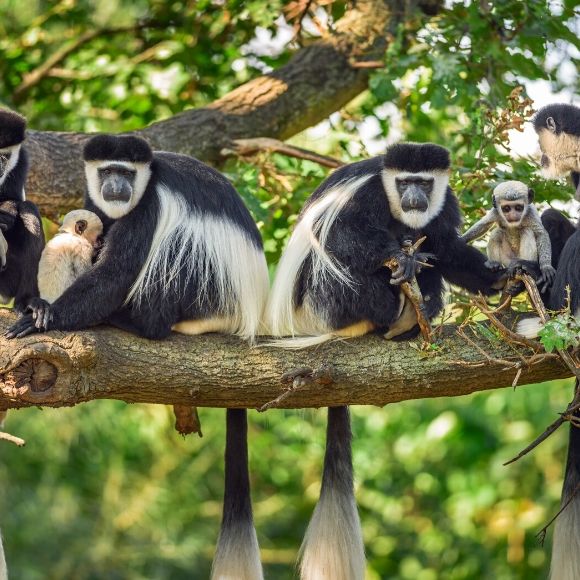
(115, 148)
(559, 229)
(12, 128)
(566, 118)
(98, 295)
(237, 498)
(365, 235)
(416, 157)
(338, 471)
(20, 224)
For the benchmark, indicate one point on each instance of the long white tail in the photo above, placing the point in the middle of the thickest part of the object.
(3, 568)
(237, 554)
(566, 546)
(333, 547)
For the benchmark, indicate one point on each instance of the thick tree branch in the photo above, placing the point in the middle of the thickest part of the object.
(64, 369)
(317, 81)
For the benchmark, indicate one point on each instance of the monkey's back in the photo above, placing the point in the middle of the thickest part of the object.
(65, 258)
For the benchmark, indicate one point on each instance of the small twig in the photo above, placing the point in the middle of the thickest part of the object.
(512, 336)
(297, 378)
(549, 430)
(413, 292)
(541, 535)
(367, 64)
(12, 439)
(538, 305)
(250, 146)
(573, 406)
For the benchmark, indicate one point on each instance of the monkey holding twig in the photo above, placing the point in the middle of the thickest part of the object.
(520, 238)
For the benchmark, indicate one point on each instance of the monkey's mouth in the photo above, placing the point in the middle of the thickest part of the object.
(120, 198)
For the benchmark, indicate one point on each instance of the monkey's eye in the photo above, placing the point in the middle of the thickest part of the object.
(106, 172)
(519, 208)
(403, 182)
(506, 208)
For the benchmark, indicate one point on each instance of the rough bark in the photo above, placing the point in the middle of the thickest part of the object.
(64, 369)
(317, 81)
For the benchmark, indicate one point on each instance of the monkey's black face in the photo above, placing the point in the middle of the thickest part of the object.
(513, 213)
(414, 192)
(117, 183)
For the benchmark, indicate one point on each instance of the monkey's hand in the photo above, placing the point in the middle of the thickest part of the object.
(22, 327)
(408, 265)
(494, 266)
(41, 314)
(37, 321)
(547, 277)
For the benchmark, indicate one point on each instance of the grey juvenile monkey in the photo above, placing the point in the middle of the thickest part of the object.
(520, 235)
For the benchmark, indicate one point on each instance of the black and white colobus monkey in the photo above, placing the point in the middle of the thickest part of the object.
(21, 235)
(332, 282)
(558, 130)
(181, 252)
(520, 234)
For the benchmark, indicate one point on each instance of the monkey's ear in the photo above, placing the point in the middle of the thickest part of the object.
(493, 201)
(531, 195)
(80, 227)
(551, 124)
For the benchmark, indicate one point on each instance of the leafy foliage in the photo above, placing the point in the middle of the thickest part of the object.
(561, 332)
(110, 491)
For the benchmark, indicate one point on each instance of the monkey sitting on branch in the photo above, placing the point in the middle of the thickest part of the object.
(520, 240)
(66, 257)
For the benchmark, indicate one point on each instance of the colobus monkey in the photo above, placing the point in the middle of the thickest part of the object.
(21, 235)
(332, 282)
(65, 257)
(520, 234)
(181, 252)
(558, 129)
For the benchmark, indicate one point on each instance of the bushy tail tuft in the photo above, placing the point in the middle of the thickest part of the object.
(333, 547)
(237, 554)
(529, 327)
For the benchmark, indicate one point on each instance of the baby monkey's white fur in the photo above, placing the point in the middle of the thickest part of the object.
(69, 254)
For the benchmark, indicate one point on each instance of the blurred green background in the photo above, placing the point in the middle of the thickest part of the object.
(107, 490)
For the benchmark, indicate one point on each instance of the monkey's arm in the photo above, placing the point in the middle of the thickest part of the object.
(465, 266)
(102, 290)
(8, 214)
(544, 247)
(480, 228)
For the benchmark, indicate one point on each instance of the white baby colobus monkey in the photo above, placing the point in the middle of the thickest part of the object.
(520, 235)
(68, 255)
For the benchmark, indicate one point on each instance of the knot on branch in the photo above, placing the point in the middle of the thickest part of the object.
(31, 379)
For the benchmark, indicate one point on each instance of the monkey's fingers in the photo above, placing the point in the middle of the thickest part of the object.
(23, 327)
